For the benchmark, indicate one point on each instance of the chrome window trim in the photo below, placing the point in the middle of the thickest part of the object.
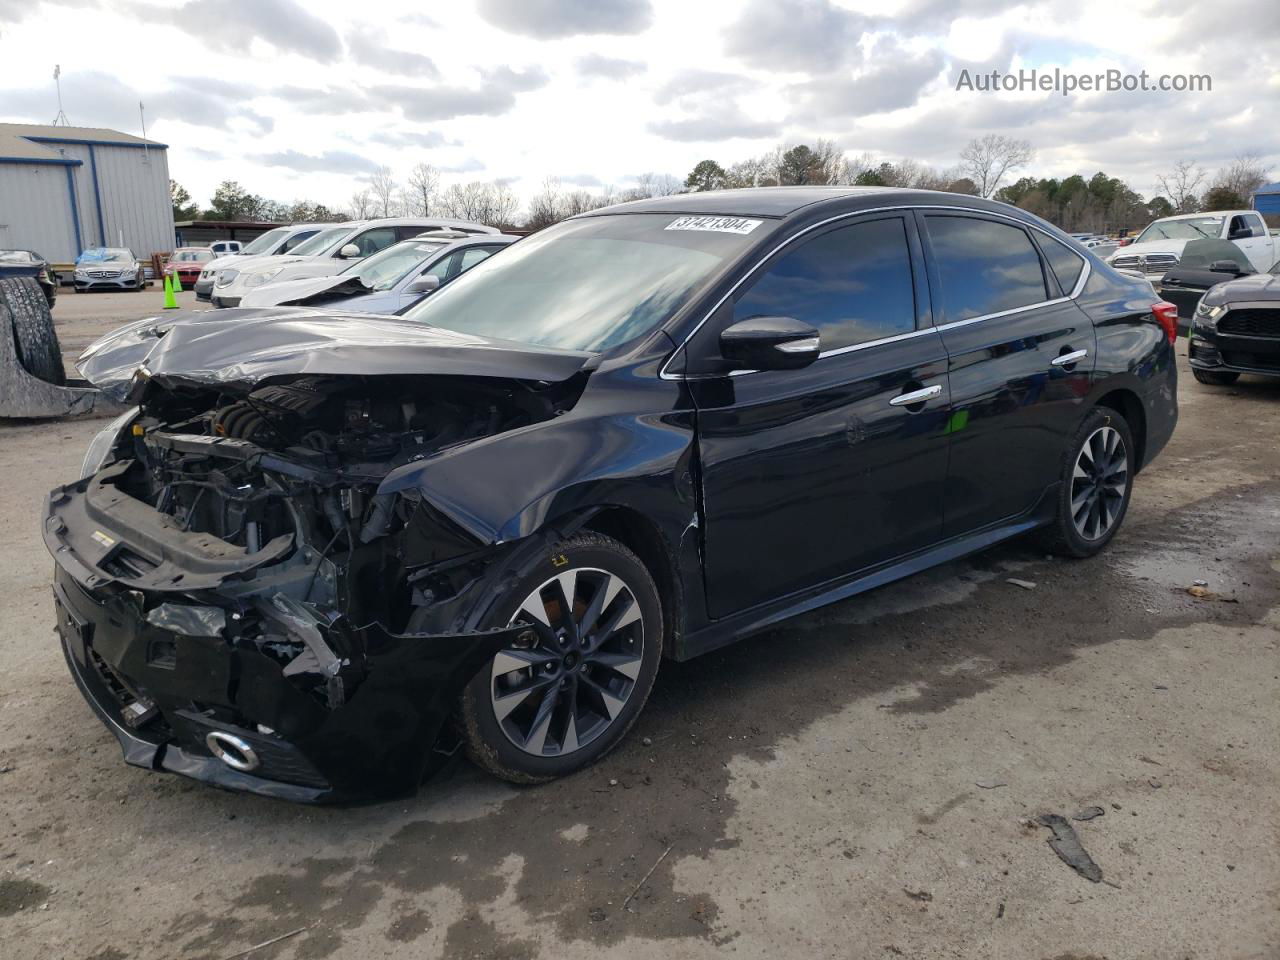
(1078, 289)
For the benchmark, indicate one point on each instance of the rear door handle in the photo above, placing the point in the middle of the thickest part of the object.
(916, 396)
(1075, 356)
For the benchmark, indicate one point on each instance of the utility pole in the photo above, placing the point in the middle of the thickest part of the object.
(146, 156)
(61, 118)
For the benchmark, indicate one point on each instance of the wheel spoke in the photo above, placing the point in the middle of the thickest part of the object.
(570, 732)
(535, 608)
(612, 704)
(627, 614)
(537, 738)
(605, 592)
(504, 704)
(624, 663)
(515, 658)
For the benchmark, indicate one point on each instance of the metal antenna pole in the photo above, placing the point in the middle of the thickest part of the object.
(61, 118)
(146, 156)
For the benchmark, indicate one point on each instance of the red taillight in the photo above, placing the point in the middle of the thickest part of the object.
(1166, 315)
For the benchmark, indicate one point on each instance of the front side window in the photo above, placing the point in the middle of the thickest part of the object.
(851, 284)
(371, 241)
(592, 283)
(984, 267)
(297, 240)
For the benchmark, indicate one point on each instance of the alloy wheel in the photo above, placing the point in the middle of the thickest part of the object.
(574, 668)
(1099, 483)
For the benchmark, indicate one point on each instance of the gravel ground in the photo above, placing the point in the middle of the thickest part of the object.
(858, 783)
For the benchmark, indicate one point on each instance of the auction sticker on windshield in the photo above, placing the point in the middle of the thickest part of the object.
(714, 224)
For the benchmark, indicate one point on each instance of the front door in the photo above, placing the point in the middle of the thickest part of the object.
(810, 475)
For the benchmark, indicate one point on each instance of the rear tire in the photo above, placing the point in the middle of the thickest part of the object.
(571, 689)
(1096, 484)
(33, 333)
(1214, 379)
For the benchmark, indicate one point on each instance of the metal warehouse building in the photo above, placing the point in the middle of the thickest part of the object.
(64, 189)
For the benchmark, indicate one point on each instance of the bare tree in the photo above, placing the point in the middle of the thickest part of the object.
(384, 189)
(1181, 184)
(1243, 176)
(361, 204)
(424, 184)
(986, 160)
(651, 184)
(490, 203)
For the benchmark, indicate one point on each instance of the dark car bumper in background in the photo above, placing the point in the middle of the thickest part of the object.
(1245, 339)
(203, 289)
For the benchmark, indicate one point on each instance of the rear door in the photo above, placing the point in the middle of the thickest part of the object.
(811, 475)
(1021, 356)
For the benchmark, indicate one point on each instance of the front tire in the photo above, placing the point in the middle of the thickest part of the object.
(574, 684)
(1214, 379)
(1097, 481)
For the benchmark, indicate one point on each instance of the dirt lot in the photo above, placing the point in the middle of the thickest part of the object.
(856, 784)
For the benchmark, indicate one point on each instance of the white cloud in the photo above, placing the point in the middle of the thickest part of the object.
(299, 98)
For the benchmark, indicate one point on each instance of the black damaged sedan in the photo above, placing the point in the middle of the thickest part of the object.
(323, 552)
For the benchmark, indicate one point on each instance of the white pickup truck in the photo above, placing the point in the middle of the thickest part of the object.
(1158, 248)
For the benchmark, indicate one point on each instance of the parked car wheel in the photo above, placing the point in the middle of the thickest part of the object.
(34, 337)
(575, 683)
(1214, 379)
(1097, 480)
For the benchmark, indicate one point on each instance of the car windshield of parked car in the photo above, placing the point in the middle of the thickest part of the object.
(384, 270)
(267, 242)
(192, 256)
(1195, 228)
(1200, 254)
(320, 242)
(105, 255)
(590, 284)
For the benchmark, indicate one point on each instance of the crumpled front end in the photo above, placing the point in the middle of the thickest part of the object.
(240, 604)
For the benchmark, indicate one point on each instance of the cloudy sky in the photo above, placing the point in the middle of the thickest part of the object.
(301, 99)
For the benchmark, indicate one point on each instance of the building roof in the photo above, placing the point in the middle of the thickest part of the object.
(15, 149)
(60, 134)
(1267, 188)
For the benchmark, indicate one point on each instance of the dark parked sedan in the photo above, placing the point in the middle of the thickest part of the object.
(1236, 329)
(28, 263)
(642, 433)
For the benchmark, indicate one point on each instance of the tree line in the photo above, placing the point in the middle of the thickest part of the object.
(985, 168)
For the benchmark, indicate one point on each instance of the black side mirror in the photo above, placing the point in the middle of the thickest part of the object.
(770, 343)
(1225, 266)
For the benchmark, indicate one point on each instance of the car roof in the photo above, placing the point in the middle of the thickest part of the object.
(781, 202)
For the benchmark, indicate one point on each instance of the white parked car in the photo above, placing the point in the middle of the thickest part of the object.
(276, 241)
(329, 252)
(1159, 247)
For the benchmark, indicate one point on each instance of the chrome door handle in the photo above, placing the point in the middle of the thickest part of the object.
(916, 396)
(1073, 357)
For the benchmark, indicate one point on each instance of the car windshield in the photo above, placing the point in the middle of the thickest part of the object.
(105, 255)
(320, 242)
(267, 242)
(192, 256)
(590, 284)
(1194, 228)
(1202, 253)
(384, 270)
(14, 256)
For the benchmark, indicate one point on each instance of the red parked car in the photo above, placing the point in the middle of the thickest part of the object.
(186, 263)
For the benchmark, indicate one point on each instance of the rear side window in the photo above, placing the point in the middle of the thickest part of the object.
(852, 284)
(1067, 265)
(371, 241)
(297, 239)
(984, 267)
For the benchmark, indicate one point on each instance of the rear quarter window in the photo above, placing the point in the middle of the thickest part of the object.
(1066, 264)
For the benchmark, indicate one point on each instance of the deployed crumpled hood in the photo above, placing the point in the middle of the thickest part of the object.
(239, 348)
(284, 291)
